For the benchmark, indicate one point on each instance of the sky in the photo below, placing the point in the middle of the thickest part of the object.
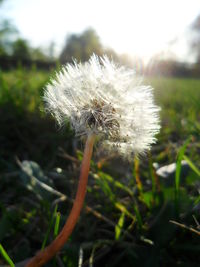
(137, 27)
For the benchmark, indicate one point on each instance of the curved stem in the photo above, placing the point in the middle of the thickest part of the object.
(44, 256)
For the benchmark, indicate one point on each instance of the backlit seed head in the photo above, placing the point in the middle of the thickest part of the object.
(108, 100)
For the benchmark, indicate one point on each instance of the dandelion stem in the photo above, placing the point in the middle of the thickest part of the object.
(44, 256)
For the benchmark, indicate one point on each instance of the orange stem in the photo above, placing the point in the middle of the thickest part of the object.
(44, 256)
(137, 174)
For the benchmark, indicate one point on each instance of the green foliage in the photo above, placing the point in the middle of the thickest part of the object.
(22, 90)
(119, 225)
(180, 108)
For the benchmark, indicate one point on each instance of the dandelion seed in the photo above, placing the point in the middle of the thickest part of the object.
(102, 98)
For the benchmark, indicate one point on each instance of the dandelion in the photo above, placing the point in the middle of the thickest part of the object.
(100, 99)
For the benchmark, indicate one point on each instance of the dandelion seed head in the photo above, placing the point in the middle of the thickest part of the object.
(106, 99)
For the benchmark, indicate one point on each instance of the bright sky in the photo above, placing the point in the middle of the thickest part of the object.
(137, 27)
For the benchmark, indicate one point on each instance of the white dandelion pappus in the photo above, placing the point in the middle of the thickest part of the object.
(109, 100)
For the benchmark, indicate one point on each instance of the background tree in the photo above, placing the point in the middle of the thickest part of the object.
(195, 44)
(21, 50)
(81, 46)
(39, 54)
(7, 34)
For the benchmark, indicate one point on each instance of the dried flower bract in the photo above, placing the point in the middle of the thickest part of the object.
(108, 100)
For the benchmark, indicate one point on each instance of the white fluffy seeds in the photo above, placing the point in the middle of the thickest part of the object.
(102, 98)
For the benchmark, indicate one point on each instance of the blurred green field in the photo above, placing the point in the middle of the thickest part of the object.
(22, 90)
(126, 222)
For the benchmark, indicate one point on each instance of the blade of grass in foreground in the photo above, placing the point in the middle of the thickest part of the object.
(56, 229)
(119, 226)
(178, 165)
(178, 172)
(6, 257)
(57, 224)
(192, 166)
(110, 179)
(197, 171)
(49, 228)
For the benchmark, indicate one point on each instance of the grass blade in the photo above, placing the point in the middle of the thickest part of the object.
(117, 184)
(49, 228)
(178, 165)
(122, 208)
(192, 166)
(178, 173)
(119, 226)
(57, 224)
(6, 257)
(138, 216)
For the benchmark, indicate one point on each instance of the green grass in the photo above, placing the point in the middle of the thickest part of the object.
(180, 107)
(22, 89)
(125, 224)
